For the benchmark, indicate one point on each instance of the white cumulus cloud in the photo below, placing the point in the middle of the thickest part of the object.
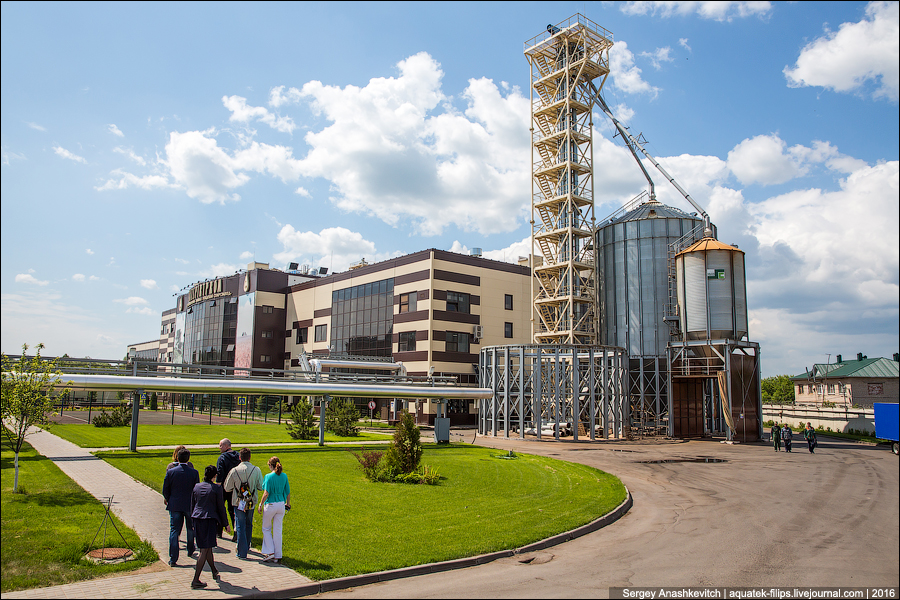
(29, 278)
(718, 10)
(149, 284)
(115, 130)
(244, 113)
(131, 301)
(625, 74)
(339, 246)
(60, 151)
(845, 60)
(388, 154)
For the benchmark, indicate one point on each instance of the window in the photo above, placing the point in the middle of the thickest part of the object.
(321, 333)
(507, 304)
(267, 334)
(507, 330)
(809, 389)
(407, 341)
(265, 358)
(267, 310)
(457, 302)
(408, 302)
(457, 342)
(830, 388)
(800, 389)
(303, 335)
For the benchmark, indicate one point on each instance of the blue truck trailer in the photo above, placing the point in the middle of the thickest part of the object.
(887, 424)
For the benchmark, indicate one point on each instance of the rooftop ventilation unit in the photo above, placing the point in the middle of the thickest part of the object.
(475, 252)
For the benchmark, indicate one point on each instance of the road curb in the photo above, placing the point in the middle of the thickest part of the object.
(342, 583)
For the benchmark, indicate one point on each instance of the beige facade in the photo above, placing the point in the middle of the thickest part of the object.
(429, 309)
(848, 392)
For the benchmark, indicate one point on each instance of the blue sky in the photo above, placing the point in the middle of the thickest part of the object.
(149, 146)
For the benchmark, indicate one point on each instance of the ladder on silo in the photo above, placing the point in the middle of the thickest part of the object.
(672, 317)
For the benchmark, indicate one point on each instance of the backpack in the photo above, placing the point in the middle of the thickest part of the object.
(246, 493)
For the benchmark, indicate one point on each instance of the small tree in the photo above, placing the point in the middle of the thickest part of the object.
(29, 390)
(341, 418)
(405, 451)
(301, 425)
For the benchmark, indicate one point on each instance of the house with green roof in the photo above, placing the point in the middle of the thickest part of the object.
(847, 383)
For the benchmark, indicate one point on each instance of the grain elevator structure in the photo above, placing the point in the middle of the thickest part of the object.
(640, 320)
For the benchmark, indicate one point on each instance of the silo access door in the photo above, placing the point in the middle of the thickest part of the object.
(687, 407)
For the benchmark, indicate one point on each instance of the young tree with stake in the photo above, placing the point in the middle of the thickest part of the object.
(29, 388)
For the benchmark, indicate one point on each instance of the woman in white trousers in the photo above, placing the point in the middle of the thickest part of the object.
(276, 499)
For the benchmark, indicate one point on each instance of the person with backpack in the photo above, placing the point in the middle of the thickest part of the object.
(810, 434)
(242, 483)
(228, 460)
(776, 437)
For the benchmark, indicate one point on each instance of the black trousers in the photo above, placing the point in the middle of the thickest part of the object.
(230, 508)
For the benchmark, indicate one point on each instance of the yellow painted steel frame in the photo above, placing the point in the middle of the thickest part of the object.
(565, 60)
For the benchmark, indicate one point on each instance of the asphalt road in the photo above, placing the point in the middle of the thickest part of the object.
(757, 519)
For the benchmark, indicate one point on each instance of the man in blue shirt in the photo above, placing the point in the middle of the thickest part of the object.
(177, 488)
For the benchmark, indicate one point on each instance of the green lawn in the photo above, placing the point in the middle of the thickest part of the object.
(342, 524)
(47, 531)
(88, 436)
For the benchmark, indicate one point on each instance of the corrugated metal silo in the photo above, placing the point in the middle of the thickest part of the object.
(712, 291)
(634, 258)
(633, 267)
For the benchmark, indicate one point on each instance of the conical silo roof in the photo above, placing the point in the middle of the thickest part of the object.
(654, 210)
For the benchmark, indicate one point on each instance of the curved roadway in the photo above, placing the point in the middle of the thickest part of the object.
(758, 519)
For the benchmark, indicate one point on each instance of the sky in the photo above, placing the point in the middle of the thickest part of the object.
(148, 146)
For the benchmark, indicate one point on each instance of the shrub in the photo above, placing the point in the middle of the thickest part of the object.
(400, 463)
(405, 451)
(341, 418)
(119, 417)
(301, 425)
(154, 401)
(368, 462)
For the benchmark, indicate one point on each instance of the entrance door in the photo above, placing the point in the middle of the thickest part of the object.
(687, 407)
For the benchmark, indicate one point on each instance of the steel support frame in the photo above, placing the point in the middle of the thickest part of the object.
(705, 358)
(559, 385)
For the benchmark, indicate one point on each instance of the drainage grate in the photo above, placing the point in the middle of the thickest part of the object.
(700, 459)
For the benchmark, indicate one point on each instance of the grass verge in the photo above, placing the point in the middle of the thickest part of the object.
(342, 524)
(88, 436)
(47, 531)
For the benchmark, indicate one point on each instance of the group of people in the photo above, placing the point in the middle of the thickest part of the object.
(229, 488)
(784, 434)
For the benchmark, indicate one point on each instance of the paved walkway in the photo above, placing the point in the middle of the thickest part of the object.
(142, 509)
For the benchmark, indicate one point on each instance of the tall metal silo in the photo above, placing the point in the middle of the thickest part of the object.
(714, 371)
(712, 291)
(636, 248)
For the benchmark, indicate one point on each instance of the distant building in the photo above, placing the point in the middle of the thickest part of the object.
(860, 382)
(148, 351)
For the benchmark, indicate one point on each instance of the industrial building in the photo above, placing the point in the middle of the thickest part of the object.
(431, 311)
(635, 324)
(642, 324)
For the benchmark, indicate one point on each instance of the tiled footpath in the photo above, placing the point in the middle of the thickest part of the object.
(142, 509)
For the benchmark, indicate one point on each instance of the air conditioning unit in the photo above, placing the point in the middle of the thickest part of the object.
(479, 332)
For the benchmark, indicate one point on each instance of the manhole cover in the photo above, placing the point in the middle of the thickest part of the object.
(109, 554)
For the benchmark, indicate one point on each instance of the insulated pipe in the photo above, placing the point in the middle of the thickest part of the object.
(318, 363)
(274, 387)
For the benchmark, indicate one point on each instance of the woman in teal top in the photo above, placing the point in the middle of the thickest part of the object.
(276, 499)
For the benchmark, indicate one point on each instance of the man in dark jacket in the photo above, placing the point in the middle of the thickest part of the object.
(177, 488)
(228, 460)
